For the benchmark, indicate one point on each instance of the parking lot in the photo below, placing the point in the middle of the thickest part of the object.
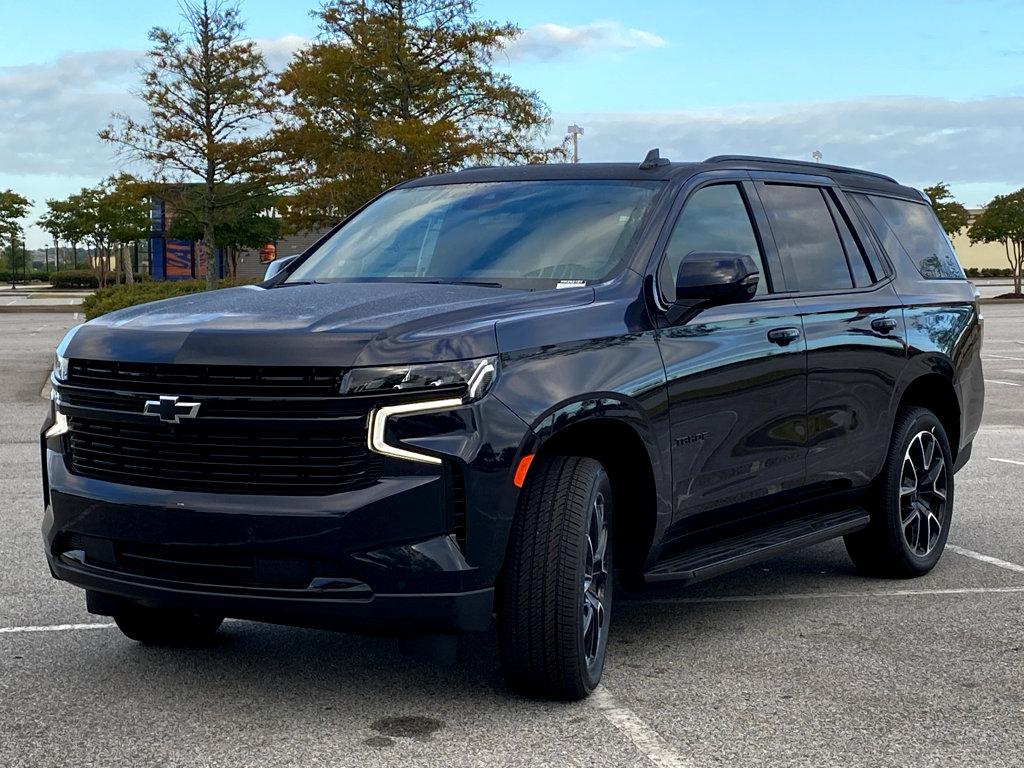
(797, 661)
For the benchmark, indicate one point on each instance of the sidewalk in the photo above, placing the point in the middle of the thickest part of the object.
(41, 298)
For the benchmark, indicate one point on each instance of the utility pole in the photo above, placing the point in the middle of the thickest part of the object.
(46, 257)
(575, 132)
(14, 274)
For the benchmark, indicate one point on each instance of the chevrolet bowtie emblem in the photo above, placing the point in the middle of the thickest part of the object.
(170, 409)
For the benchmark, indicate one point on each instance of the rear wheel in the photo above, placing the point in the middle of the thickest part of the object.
(555, 594)
(914, 504)
(167, 627)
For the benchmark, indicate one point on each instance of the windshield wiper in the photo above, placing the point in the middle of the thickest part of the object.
(483, 283)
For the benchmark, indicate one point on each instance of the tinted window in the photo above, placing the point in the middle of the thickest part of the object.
(714, 219)
(854, 252)
(532, 233)
(918, 232)
(805, 234)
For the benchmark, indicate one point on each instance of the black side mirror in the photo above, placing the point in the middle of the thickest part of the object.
(709, 278)
(277, 265)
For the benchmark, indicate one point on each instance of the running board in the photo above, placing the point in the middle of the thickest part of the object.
(734, 553)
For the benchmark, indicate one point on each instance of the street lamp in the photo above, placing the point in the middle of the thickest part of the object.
(575, 132)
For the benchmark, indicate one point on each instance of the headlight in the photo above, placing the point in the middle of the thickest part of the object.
(443, 386)
(470, 378)
(60, 367)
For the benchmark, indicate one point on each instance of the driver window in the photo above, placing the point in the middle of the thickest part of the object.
(714, 219)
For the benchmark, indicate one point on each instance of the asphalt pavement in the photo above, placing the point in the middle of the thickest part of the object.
(797, 661)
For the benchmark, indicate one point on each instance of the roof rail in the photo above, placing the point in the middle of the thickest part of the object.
(803, 163)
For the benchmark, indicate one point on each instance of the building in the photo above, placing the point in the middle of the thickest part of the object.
(171, 259)
(978, 254)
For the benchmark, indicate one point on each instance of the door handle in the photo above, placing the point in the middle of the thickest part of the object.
(783, 336)
(884, 325)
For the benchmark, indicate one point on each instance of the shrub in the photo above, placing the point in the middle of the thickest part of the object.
(33, 277)
(85, 278)
(118, 297)
(74, 279)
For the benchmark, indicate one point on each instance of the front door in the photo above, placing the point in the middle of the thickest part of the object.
(736, 373)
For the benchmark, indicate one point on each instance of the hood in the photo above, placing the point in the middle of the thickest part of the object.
(333, 324)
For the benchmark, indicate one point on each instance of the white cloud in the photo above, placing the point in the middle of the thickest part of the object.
(554, 41)
(918, 140)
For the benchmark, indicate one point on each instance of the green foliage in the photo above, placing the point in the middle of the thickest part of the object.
(394, 89)
(244, 221)
(210, 99)
(988, 272)
(1002, 221)
(13, 207)
(82, 279)
(952, 215)
(128, 295)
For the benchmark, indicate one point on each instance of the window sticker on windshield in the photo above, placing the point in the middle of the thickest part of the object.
(570, 283)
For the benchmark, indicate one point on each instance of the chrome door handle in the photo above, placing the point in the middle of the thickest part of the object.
(884, 325)
(783, 336)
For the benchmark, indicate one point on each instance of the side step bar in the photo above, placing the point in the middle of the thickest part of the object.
(736, 552)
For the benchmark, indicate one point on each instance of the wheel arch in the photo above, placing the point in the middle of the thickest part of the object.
(935, 391)
(613, 431)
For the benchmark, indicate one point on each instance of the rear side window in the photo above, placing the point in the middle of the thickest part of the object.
(714, 219)
(812, 253)
(912, 228)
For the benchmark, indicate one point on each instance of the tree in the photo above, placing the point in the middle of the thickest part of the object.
(952, 215)
(210, 97)
(394, 89)
(13, 208)
(247, 223)
(55, 222)
(1002, 221)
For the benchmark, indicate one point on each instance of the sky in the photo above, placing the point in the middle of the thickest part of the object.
(922, 90)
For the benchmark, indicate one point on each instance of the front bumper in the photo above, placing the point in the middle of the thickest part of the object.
(262, 567)
(387, 558)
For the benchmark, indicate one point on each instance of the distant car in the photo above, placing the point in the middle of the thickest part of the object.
(484, 389)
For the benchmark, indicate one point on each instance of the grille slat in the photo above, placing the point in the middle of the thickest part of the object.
(314, 441)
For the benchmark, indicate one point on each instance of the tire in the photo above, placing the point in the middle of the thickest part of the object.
(557, 575)
(167, 627)
(913, 502)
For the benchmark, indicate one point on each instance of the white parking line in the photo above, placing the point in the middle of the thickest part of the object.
(826, 595)
(647, 741)
(1002, 382)
(1002, 357)
(1006, 461)
(986, 558)
(57, 628)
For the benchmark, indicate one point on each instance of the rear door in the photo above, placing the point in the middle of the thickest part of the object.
(736, 384)
(853, 325)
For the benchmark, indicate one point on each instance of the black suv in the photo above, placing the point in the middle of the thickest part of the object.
(483, 390)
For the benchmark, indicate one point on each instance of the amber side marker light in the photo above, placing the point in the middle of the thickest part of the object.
(522, 470)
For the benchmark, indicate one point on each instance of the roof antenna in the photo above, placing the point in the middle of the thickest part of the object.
(653, 160)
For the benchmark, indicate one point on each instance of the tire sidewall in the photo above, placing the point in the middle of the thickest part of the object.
(921, 420)
(592, 674)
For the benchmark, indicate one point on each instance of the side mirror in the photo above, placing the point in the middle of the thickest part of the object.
(709, 278)
(277, 265)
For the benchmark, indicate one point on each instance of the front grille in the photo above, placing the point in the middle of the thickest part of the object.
(177, 378)
(260, 430)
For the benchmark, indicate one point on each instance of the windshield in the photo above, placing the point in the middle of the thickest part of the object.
(517, 234)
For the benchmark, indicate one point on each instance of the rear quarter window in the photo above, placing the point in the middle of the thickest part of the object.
(912, 227)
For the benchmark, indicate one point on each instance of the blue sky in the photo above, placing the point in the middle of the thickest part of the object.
(923, 90)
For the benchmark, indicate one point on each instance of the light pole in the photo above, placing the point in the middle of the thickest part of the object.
(575, 132)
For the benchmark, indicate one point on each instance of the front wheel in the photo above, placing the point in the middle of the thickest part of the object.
(555, 595)
(914, 504)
